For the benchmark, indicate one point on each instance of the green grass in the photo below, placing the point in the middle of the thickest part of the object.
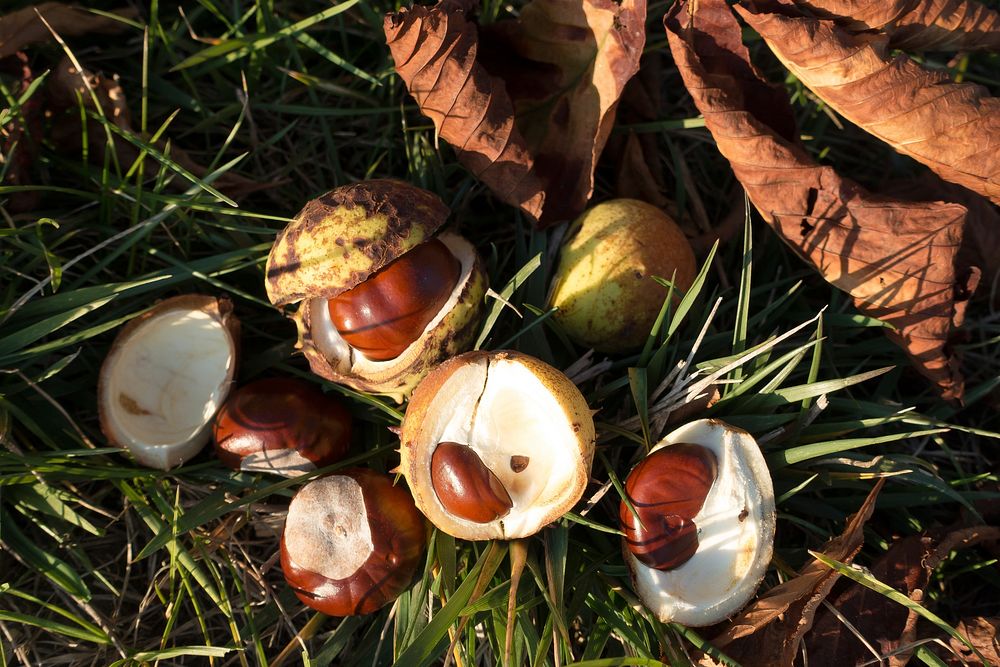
(104, 562)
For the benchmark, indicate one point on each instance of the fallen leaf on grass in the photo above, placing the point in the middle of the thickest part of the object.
(23, 28)
(981, 240)
(528, 104)
(636, 157)
(768, 632)
(953, 128)
(896, 258)
(984, 634)
(887, 626)
(635, 178)
(918, 25)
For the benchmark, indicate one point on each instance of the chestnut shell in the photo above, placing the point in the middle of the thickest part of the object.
(737, 540)
(340, 238)
(152, 455)
(436, 400)
(397, 378)
(399, 538)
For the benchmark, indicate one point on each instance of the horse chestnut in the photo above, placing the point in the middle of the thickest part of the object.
(667, 490)
(705, 528)
(388, 311)
(352, 542)
(496, 445)
(384, 293)
(281, 425)
(465, 486)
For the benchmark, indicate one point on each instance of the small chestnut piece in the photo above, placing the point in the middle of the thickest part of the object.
(667, 490)
(353, 541)
(465, 486)
(384, 314)
(282, 425)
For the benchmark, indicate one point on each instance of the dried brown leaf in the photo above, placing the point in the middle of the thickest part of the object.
(953, 128)
(886, 625)
(981, 240)
(22, 28)
(919, 25)
(984, 634)
(897, 259)
(768, 632)
(636, 180)
(528, 104)
(636, 156)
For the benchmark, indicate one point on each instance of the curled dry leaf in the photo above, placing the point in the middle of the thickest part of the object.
(886, 625)
(953, 128)
(22, 28)
(637, 156)
(918, 25)
(528, 104)
(636, 179)
(984, 634)
(767, 633)
(897, 259)
(981, 239)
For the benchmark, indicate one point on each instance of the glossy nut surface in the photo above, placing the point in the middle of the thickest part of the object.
(388, 311)
(280, 420)
(395, 532)
(465, 486)
(667, 489)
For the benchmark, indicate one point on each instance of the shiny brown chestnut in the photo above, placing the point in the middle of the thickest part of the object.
(465, 486)
(281, 425)
(353, 541)
(667, 490)
(381, 316)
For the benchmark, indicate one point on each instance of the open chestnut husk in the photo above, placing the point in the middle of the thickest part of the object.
(166, 374)
(352, 542)
(496, 445)
(284, 426)
(383, 295)
(700, 532)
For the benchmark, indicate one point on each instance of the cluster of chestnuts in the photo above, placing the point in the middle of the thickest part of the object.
(493, 445)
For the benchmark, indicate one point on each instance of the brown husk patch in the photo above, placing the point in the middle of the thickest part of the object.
(323, 252)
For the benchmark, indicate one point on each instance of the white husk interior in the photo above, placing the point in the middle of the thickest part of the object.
(346, 359)
(164, 384)
(501, 409)
(732, 554)
(327, 529)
